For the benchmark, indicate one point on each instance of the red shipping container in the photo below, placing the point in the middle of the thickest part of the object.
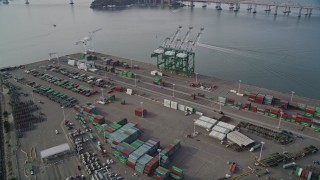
(306, 175)
(252, 95)
(157, 177)
(118, 88)
(139, 111)
(176, 172)
(115, 142)
(316, 124)
(303, 173)
(311, 111)
(109, 130)
(306, 120)
(130, 164)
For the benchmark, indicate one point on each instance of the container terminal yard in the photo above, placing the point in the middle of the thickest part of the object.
(119, 115)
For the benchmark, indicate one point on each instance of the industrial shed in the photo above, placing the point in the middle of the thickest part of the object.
(239, 139)
(55, 151)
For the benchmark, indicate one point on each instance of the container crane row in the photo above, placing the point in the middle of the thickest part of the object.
(177, 55)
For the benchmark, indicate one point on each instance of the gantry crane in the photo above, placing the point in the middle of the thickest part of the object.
(55, 54)
(87, 42)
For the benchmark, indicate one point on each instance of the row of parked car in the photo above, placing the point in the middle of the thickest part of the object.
(91, 80)
(56, 96)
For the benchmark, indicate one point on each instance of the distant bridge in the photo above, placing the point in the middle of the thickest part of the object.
(252, 5)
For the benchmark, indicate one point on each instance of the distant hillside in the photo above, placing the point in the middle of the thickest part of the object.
(99, 4)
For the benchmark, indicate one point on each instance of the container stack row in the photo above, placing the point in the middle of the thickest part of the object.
(176, 173)
(303, 173)
(127, 133)
(170, 149)
(151, 166)
(161, 173)
(86, 108)
(141, 163)
(135, 155)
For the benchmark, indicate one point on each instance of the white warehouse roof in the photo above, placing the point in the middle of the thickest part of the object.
(54, 150)
(238, 138)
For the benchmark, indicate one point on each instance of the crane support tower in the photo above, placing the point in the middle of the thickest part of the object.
(177, 55)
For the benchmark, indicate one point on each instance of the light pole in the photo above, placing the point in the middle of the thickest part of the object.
(141, 103)
(292, 92)
(64, 115)
(135, 80)
(281, 113)
(220, 107)
(239, 86)
(33, 97)
(196, 77)
(173, 90)
(262, 143)
(131, 63)
(159, 150)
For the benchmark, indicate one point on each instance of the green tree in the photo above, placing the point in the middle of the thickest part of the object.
(5, 114)
(6, 125)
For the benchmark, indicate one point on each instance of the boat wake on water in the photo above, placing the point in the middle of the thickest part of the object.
(227, 50)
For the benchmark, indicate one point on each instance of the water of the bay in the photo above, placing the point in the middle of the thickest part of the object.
(276, 52)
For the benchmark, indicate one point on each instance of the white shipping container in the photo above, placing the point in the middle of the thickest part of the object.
(217, 135)
(174, 105)
(300, 171)
(226, 125)
(129, 91)
(72, 62)
(153, 73)
(199, 113)
(233, 91)
(207, 119)
(220, 129)
(167, 103)
(181, 107)
(203, 124)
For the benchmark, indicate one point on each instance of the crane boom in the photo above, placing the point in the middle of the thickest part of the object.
(194, 43)
(166, 41)
(93, 32)
(174, 37)
(185, 39)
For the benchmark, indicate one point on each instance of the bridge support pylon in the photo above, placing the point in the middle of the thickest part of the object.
(255, 9)
(237, 7)
(300, 11)
(249, 7)
(310, 12)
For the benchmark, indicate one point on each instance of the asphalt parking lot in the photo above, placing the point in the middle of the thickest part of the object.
(201, 157)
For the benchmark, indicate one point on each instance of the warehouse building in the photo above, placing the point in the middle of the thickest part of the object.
(239, 139)
(54, 152)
